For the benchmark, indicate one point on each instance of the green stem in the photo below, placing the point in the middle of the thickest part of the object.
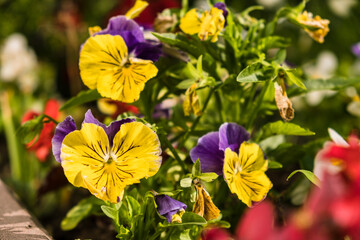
(173, 151)
(11, 139)
(220, 107)
(258, 104)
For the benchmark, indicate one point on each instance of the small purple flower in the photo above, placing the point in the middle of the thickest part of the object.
(133, 36)
(168, 206)
(356, 49)
(68, 125)
(211, 147)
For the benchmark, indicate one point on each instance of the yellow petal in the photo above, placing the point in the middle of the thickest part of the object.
(190, 23)
(136, 9)
(106, 106)
(101, 55)
(245, 174)
(83, 151)
(251, 157)
(127, 82)
(211, 24)
(136, 152)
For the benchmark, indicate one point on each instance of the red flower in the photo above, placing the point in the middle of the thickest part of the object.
(215, 234)
(42, 146)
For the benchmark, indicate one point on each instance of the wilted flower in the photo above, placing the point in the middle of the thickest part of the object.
(42, 146)
(191, 102)
(18, 62)
(283, 103)
(208, 25)
(105, 159)
(204, 205)
(316, 27)
(170, 208)
(244, 172)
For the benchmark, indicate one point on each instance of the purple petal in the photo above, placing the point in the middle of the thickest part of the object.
(62, 129)
(168, 206)
(89, 118)
(149, 50)
(231, 136)
(110, 130)
(128, 29)
(356, 49)
(222, 6)
(207, 151)
(115, 127)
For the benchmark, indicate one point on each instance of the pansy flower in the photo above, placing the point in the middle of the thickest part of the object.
(242, 163)
(356, 49)
(170, 208)
(42, 146)
(105, 159)
(208, 25)
(118, 60)
(316, 27)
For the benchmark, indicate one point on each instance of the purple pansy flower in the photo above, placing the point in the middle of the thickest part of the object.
(68, 125)
(211, 147)
(356, 49)
(168, 206)
(133, 36)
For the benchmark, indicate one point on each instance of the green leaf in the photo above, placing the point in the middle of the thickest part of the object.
(124, 233)
(274, 42)
(251, 73)
(219, 224)
(186, 182)
(199, 65)
(294, 79)
(181, 235)
(30, 129)
(208, 177)
(109, 211)
(196, 169)
(335, 83)
(185, 84)
(280, 56)
(133, 206)
(192, 218)
(75, 215)
(285, 128)
(172, 193)
(81, 98)
(274, 165)
(308, 174)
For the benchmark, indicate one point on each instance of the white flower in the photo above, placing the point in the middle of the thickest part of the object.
(18, 62)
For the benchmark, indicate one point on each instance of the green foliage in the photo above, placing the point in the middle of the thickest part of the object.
(81, 98)
(308, 174)
(285, 128)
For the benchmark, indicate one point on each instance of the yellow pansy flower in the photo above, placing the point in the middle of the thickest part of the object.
(208, 25)
(105, 161)
(106, 66)
(245, 173)
(321, 25)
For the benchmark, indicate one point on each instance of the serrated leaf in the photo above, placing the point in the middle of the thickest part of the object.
(109, 211)
(75, 215)
(294, 79)
(285, 128)
(81, 98)
(186, 182)
(274, 165)
(308, 174)
(208, 177)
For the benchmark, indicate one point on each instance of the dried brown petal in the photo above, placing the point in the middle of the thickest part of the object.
(283, 103)
(204, 206)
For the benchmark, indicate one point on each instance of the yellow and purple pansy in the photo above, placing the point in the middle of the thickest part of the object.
(170, 208)
(105, 159)
(118, 60)
(242, 163)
